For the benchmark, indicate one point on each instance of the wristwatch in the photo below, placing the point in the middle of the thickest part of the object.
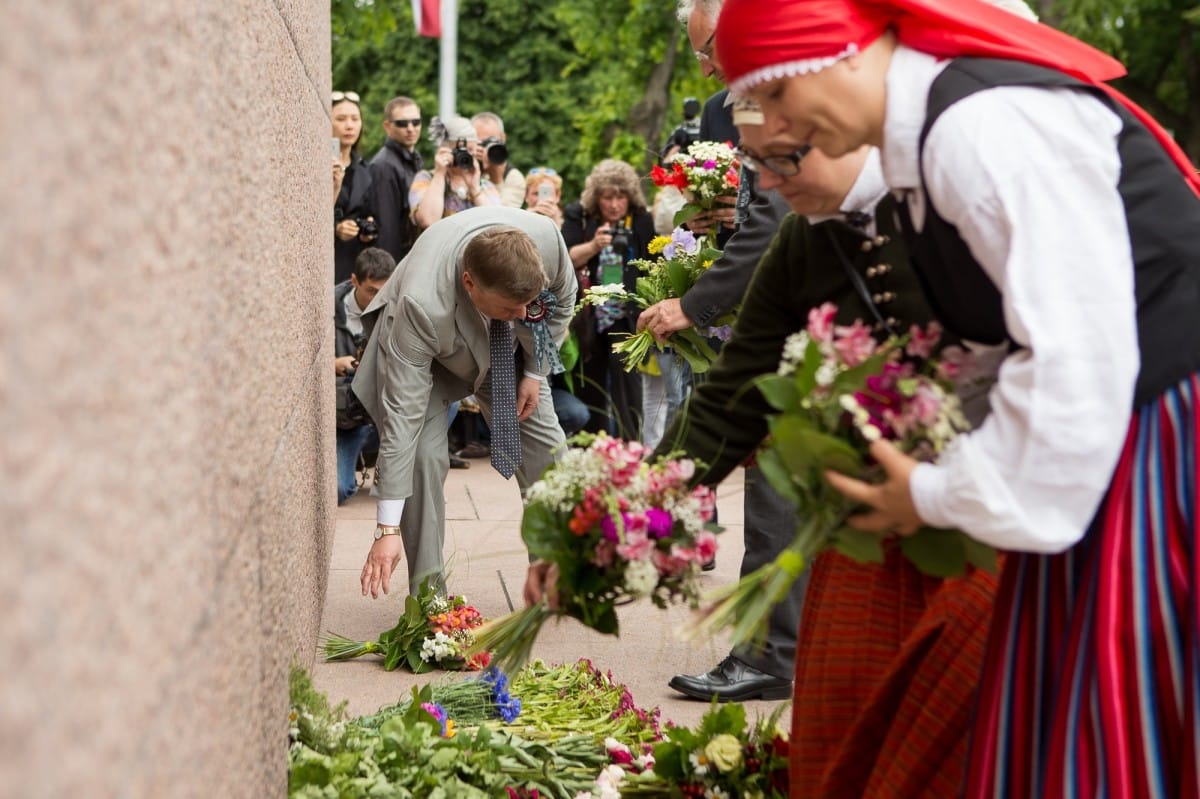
(382, 529)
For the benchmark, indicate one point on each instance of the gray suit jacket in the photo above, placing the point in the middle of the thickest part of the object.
(428, 344)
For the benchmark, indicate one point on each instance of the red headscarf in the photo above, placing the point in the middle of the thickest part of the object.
(761, 40)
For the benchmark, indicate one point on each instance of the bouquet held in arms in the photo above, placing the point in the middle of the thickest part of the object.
(618, 528)
(704, 173)
(836, 391)
(682, 260)
(433, 632)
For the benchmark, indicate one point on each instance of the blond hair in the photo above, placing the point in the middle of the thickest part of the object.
(504, 260)
(612, 174)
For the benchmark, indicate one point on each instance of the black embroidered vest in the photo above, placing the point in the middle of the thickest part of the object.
(1162, 212)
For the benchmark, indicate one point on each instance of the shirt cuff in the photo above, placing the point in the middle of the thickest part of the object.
(927, 486)
(536, 376)
(389, 511)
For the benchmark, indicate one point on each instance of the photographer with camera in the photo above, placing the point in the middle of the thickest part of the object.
(353, 225)
(457, 181)
(351, 297)
(492, 152)
(687, 132)
(608, 229)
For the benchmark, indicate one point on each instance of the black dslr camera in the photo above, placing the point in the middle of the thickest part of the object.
(461, 157)
(497, 151)
(367, 228)
(620, 236)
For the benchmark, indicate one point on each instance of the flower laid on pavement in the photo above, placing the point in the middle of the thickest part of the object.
(445, 741)
(434, 631)
(836, 391)
(618, 528)
(682, 260)
(721, 757)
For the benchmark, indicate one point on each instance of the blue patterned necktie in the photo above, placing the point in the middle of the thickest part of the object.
(506, 439)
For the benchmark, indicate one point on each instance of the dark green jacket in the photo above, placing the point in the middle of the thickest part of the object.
(725, 419)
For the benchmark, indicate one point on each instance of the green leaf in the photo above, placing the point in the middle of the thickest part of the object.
(679, 278)
(980, 555)
(936, 552)
(779, 390)
(686, 213)
(807, 452)
(541, 530)
(770, 463)
(860, 545)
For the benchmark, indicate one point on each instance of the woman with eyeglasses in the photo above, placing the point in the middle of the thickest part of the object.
(352, 224)
(608, 229)
(1050, 215)
(457, 181)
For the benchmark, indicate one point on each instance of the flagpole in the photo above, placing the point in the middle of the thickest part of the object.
(448, 58)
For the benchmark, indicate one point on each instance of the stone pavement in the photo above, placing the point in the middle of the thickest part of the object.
(487, 564)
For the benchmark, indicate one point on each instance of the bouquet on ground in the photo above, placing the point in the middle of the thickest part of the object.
(433, 632)
(722, 757)
(704, 173)
(837, 390)
(617, 528)
(682, 259)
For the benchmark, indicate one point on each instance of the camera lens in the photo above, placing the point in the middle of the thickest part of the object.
(497, 153)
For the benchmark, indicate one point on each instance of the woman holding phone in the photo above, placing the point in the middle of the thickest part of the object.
(543, 193)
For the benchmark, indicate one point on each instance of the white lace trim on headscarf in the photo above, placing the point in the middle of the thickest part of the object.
(788, 69)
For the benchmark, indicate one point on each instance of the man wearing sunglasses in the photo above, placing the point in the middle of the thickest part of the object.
(392, 172)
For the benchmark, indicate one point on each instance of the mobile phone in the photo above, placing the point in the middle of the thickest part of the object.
(337, 147)
(545, 191)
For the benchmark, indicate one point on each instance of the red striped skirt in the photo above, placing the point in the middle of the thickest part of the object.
(1092, 686)
(887, 668)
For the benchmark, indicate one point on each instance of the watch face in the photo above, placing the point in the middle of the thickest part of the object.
(378, 533)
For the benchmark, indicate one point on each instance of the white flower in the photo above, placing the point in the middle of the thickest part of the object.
(438, 647)
(826, 373)
(794, 348)
(870, 432)
(716, 792)
(848, 402)
(699, 763)
(640, 577)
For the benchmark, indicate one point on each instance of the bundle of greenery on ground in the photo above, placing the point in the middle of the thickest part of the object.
(567, 731)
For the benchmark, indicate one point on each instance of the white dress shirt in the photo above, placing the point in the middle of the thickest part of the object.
(1029, 177)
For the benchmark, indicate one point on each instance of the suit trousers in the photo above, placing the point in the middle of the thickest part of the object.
(770, 525)
(423, 525)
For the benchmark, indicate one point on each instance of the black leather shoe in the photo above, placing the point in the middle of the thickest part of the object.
(458, 463)
(732, 681)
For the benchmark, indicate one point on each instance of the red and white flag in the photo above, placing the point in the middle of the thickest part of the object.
(428, 17)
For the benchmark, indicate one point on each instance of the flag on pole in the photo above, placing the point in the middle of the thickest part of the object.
(427, 14)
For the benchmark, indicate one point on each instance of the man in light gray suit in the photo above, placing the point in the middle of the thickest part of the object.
(428, 347)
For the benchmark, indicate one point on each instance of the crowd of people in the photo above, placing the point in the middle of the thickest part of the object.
(958, 163)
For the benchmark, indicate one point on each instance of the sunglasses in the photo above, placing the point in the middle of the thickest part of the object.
(405, 123)
(705, 53)
(542, 170)
(785, 165)
(337, 97)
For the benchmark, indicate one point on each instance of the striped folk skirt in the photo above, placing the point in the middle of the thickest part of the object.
(1092, 683)
(887, 669)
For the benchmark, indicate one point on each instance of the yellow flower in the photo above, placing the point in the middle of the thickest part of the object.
(707, 264)
(725, 752)
(449, 728)
(657, 243)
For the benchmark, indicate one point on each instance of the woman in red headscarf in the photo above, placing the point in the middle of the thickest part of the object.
(1051, 217)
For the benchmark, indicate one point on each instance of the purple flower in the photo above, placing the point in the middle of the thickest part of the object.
(658, 523)
(609, 529)
(710, 164)
(681, 239)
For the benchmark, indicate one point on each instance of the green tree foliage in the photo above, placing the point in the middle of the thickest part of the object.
(574, 80)
(1159, 43)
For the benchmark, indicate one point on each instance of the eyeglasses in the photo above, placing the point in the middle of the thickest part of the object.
(405, 123)
(541, 170)
(705, 53)
(337, 97)
(785, 165)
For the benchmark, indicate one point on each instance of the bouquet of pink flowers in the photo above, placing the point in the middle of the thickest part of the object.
(705, 171)
(618, 528)
(836, 391)
(683, 258)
